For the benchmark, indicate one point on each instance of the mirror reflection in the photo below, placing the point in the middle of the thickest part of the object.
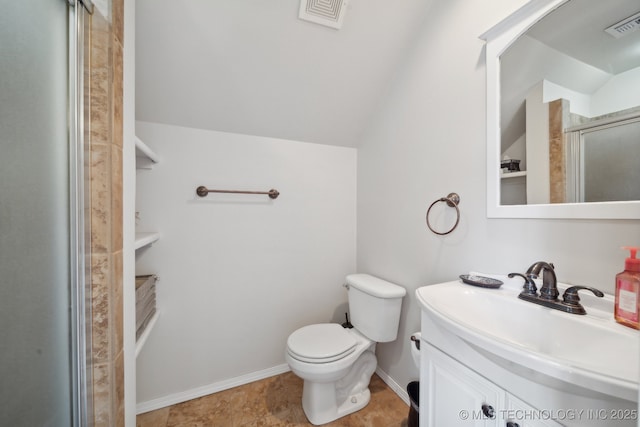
(570, 106)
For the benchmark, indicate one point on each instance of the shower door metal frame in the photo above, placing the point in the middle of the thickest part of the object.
(79, 221)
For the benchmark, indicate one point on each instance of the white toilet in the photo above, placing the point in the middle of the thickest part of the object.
(337, 363)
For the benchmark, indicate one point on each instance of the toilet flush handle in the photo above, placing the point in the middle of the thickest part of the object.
(416, 341)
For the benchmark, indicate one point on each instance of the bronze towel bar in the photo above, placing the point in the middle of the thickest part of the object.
(202, 191)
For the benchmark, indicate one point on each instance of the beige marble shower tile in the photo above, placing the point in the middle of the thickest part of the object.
(106, 278)
(557, 171)
(117, 90)
(100, 198)
(555, 119)
(118, 395)
(100, 104)
(116, 198)
(100, 41)
(100, 107)
(100, 307)
(557, 151)
(117, 310)
(102, 395)
(117, 11)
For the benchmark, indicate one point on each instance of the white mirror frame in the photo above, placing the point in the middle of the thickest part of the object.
(498, 39)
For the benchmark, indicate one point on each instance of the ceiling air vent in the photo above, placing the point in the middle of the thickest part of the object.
(624, 27)
(324, 12)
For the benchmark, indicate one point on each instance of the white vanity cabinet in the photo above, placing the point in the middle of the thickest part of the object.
(533, 365)
(454, 395)
(520, 414)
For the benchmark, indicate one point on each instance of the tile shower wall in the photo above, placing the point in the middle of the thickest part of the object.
(104, 127)
(558, 114)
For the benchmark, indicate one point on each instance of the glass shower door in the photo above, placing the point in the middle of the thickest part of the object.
(610, 159)
(38, 345)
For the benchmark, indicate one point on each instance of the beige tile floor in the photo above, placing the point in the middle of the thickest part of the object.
(271, 402)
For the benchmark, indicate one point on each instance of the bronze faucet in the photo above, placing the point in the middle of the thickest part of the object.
(549, 291)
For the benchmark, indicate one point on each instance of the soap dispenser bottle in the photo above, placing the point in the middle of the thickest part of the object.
(627, 308)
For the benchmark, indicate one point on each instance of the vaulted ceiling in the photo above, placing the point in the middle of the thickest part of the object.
(569, 47)
(252, 67)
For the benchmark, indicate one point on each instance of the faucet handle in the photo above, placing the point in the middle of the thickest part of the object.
(571, 298)
(529, 287)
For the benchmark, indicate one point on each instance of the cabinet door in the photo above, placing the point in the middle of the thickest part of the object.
(453, 395)
(520, 414)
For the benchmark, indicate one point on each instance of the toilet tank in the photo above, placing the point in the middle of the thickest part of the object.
(375, 306)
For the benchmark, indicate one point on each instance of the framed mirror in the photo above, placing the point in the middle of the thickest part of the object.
(563, 111)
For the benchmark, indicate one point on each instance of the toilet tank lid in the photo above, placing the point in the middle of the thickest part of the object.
(375, 286)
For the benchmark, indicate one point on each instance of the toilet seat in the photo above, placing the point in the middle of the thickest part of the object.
(321, 343)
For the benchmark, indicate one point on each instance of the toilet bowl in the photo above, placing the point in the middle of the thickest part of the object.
(337, 363)
(335, 381)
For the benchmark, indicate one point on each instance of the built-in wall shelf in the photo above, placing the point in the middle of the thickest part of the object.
(147, 331)
(144, 239)
(513, 174)
(145, 157)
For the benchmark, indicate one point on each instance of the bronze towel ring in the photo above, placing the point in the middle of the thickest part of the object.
(452, 200)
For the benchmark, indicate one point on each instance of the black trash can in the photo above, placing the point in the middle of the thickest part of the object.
(413, 388)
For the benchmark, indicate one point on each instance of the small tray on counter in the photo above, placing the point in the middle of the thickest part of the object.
(481, 281)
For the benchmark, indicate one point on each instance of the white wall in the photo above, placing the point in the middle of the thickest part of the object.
(239, 273)
(614, 95)
(579, 103)
(428, 139)
(618, 94)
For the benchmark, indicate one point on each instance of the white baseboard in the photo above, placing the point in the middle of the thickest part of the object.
(399, 390)
(172, 399)
(194, 393)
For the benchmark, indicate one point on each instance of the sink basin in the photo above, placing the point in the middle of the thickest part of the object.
(590, 351)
